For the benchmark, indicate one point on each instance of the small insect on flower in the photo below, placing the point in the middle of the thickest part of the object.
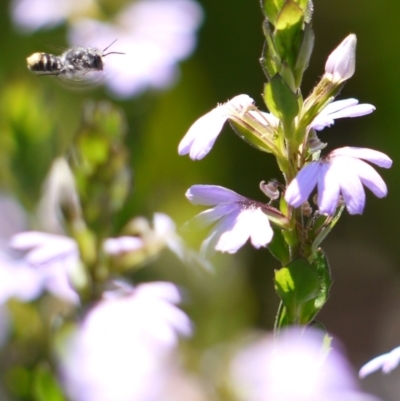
(76, 63)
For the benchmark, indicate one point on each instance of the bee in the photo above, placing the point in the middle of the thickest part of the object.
(74, 64)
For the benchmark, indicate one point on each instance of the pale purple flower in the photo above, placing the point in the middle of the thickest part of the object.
(52, 259)
(154, 35)
(387, 362)
(342, 172)
(341, 63)
(201, 136)
(122, 350)
(30, 15)
(238, 218)
(340, 109)
(294, 367)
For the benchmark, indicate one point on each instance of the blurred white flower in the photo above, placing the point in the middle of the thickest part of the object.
(50, 263)
(122, 350)
(154, 35)
(30, 15)
(294, 367)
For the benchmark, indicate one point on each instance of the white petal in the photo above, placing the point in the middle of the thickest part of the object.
(211, 195)
(235, 232)
(369, 177)
(225, 224)
(373, 156)
(300, 188)
(328, 188)
(373, 365)
(354, 111)
(261, 232)
(201, 136)
(210, 216)
(351, 188)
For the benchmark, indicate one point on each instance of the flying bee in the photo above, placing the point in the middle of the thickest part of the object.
(74, 64)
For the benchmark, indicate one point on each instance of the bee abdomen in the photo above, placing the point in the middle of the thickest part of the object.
(44, 63)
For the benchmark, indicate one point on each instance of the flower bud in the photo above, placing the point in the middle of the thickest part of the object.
(341, 63)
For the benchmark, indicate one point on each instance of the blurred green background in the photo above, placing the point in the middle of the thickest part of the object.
(364, 251)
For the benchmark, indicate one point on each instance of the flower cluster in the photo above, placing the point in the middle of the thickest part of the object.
(339, 175)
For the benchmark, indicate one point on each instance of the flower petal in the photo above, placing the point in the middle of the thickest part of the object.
(328, 188)
(373, 156)
(300, 188)
(210, 216)
(225, 224)
(369, 177)
(201, 136)
(261, 232)
(351, 188)
(211, 195)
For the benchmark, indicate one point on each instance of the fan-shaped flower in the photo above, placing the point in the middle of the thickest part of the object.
(123, 346)
(294, 367)
(201, 136)
(343, 172)
(238, 218)
(340, 109)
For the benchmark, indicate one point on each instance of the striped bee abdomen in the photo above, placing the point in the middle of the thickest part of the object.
(44, 64)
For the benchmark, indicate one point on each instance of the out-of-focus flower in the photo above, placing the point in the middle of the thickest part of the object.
(340, 109)
(30, 15)
(122, 350)
(201, 136)
(120, 245)
(342, 172)
(294, 367)
(51, 260)
(387, 362)
(154, 35)
(239, 218)
(341, 63)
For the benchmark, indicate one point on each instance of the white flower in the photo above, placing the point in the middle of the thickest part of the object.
(239, 218)
(342, 172)
(341, 63)
(54, 258)
(340, 109)
(294, 367)
(201, 136)
(121, 351)
(387, 362)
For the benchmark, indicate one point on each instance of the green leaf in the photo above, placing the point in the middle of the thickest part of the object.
(270, 59)
(296, 284)
(271, 9)
(288, 30)
(45, 385)
(311, 308)
(280, 100)
(304, 54)
(278, 247)
(326, 229)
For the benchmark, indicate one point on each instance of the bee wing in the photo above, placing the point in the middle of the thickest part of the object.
(81, 80)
